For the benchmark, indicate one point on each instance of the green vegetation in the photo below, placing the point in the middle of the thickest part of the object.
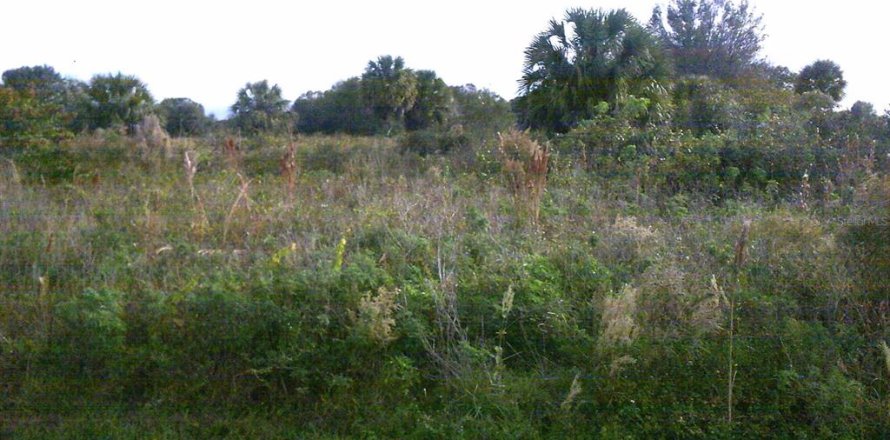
(669, 254)
(183, 117)
(260, 108)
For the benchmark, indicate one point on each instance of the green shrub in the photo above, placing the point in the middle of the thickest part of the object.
(434, 141)
(90, 333)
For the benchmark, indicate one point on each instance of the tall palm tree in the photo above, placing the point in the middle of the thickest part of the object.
(259, 107)
(590, 57)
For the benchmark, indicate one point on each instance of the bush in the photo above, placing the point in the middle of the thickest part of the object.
(434, 141)
(26, 121)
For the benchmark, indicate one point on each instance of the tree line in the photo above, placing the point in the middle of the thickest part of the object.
(695, 66)
(41, 106)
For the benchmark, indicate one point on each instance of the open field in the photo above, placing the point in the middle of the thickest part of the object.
(352, 289)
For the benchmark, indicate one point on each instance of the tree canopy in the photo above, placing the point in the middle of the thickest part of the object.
(389, 88)
(183, 117)
(259, 107)
(433, 104)
(709, 37)
(116, 99)
(341, 109)
(822, 76)
(43, 80)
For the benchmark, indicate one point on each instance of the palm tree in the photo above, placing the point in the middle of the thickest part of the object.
(117, 99)
(591, 57)
(390, 89)
(822, 76)
(259, 107)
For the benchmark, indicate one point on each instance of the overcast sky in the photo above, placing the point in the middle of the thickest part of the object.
(207, 50)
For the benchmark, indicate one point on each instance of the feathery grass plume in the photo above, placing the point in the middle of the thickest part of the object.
(374, 317)
(718, 291)
(574, 390)
(618, 318)
(507, 302)
(524, 163)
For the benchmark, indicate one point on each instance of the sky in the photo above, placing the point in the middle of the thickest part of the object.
(208, 50)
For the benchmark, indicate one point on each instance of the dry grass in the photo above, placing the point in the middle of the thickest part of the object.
(625, 241)
(574, 390)
(152, 138)
(525, 163)
(287, 167)
(231, 153)
(619, 364)
(243, 201)
(741, 246)
(620, 327)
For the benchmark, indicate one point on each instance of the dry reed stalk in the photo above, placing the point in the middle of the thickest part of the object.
(445, 347)
(244, 197)
(732, 372)
(44, 304)
(191, 169)
(14, 175)
(288, 168)
(231, 153)
(574, 391)
(741, 246)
